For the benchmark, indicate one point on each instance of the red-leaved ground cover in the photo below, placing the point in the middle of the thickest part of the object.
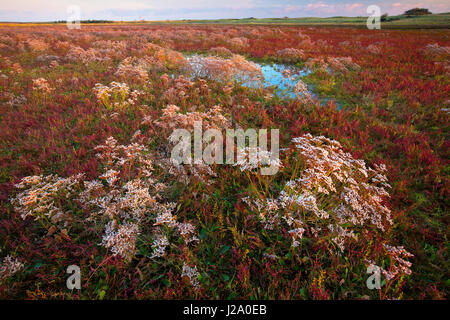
(85, 118)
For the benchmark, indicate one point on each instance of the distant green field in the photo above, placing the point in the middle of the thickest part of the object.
(431, 21)
(427, 21)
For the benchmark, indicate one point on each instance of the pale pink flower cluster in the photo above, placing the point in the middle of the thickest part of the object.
(121, 239)
(16, 68)
(85, 56)
(446, 111)
(164, 59)
(42, 84)
(334, 191)
(374, 48)
(221, 52)
(331, 171)
(38, 45)
(322, 43)
(172, 118)
(333, 64)
(271, 256)
(256, 158)
(435, 49)
(187, 173)
(336, 196)
(135, 199)
(41, 198)
(296, 234)
(238, 42)
(159, 246)
(192, 274)
(110, 49)
(179, 91)
(306, 43)
(217, 68)
(9, 266)
(17, 101)
(127, 200)
(133, 68)
(302, 92)
(398, 265)
(187, 232)
(290, 55)
(445, 65)
(342, 64)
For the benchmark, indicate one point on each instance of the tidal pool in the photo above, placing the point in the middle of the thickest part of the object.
(274, 76)
(281, 77)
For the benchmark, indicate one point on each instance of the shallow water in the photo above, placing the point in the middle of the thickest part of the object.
(273, 76)
(282, 84)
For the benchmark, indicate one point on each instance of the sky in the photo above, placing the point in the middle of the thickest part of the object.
(51, 10)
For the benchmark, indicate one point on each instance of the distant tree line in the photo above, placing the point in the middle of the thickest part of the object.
(417, 12)
(408, 13)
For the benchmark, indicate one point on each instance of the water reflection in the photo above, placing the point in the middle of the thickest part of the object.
(281, 78)
(284, 77)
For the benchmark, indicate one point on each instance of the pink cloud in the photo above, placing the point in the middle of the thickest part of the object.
(354, 5)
